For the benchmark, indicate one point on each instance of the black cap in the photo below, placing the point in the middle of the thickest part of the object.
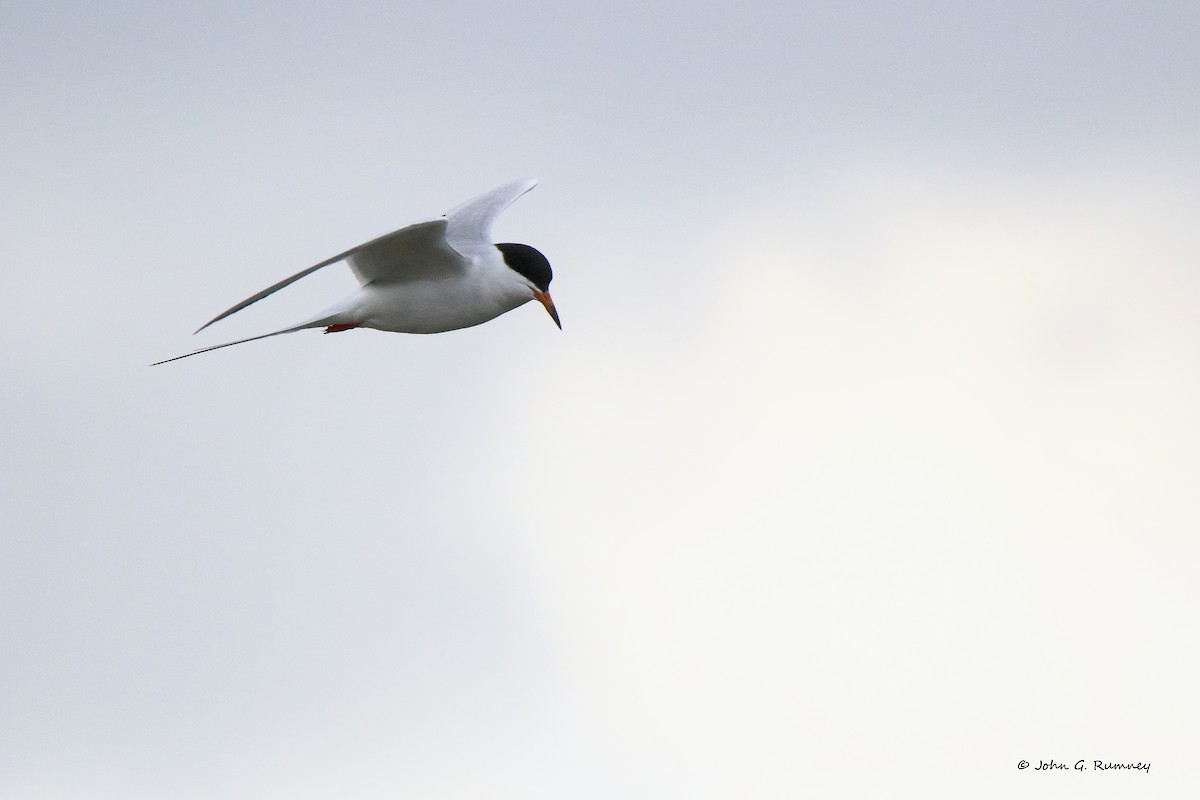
(527, 261)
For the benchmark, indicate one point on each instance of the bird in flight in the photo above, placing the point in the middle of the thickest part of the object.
(429, 277)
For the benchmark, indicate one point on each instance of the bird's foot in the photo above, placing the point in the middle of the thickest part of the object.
(341, 326)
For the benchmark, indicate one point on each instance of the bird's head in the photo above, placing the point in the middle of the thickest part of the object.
(535, 271)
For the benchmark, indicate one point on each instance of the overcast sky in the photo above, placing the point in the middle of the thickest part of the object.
(865, 464)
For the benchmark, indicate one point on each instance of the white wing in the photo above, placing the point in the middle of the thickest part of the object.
(421, 251)
(470, 224)
(411, 253)
(418, 252)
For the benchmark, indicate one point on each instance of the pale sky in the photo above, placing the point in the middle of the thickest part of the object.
(865, 464)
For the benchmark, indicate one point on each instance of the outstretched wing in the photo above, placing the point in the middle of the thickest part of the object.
(425, 250)
(411, 253)
(470, 224)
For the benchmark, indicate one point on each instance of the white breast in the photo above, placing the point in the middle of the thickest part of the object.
(486, 289)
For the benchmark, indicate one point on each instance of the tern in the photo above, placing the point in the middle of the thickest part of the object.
(429, 277)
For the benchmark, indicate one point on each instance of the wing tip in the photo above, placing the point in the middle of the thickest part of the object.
(524, 184)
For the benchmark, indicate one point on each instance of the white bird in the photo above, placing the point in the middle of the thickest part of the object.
(429, 277)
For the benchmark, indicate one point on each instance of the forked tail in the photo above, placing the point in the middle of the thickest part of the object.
(239, 341)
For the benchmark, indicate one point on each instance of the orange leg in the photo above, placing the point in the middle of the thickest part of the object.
(344, 326)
